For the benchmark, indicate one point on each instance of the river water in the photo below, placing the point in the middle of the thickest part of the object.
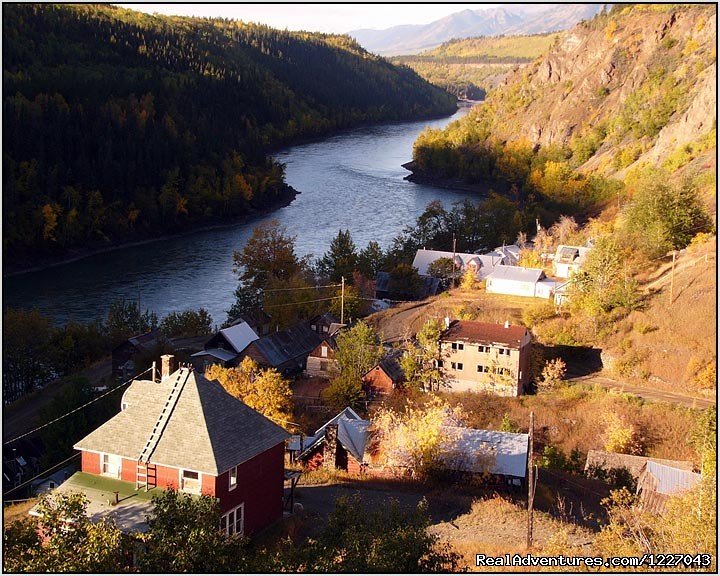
(351, 180)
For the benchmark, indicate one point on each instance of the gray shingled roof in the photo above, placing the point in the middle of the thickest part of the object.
(209, 430)
(288, 346)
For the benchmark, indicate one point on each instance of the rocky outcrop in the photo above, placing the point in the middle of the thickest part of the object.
(598, 75)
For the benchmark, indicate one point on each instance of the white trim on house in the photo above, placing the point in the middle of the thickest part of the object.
(114, 465)
(181, 484)
(232, 516)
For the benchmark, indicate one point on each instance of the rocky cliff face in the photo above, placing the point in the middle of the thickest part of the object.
(633, 86)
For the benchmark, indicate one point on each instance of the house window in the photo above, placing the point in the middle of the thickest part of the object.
(123, 406)
(313, 327)
(111, 464)
(482, 368)
(323, 366)
(440, 363)
(458, 346)
(233, 478)
(483, 348)
(190, 481)
(325, 329)
(234, 521)
(456, 365)
(323, 352)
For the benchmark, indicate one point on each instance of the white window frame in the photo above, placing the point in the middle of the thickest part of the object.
(225, 520)
(324, 351)
(181, 482)
(117, 464)
(232, 475)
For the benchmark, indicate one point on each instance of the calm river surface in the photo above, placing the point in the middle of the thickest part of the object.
(352, 180)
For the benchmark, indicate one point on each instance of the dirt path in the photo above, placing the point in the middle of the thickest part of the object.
(24, 415)
(650, 394)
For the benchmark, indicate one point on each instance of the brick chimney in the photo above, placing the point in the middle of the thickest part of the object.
(167, 365)
(330, 452)
(447, 322)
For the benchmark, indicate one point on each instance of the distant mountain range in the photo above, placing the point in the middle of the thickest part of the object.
(515, 19)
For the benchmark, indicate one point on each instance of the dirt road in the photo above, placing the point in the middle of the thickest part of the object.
(24, 415)
(650, 394)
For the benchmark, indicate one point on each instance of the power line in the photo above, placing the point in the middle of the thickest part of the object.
(303, 288)
(41, 474)
(77, 409)
(303, 302)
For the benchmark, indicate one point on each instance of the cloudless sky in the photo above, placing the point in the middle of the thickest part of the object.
(337, 18)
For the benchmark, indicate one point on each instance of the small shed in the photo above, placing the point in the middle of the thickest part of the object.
(321, 361)
(657, 483)
(225, 346)
(287, 350)
(385, 376)
(606, 461)
(339, 443)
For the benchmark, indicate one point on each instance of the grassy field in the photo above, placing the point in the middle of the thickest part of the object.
(478, 62)
(494, 47)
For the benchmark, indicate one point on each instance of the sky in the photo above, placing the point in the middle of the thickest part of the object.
(325, 17)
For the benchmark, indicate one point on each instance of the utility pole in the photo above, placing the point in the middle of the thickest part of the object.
(531, 483)
(342, 301)
(672, 278)
(454, 265)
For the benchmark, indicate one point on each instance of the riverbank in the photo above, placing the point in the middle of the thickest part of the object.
(285, 199)
(445, 183)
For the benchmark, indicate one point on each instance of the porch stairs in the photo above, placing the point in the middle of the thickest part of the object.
(146, 471)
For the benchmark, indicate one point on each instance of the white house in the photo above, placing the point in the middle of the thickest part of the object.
(518, 281)
(568, 260)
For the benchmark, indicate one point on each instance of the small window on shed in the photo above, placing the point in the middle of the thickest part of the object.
(324, 351)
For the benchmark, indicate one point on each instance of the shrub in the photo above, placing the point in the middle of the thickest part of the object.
(538, 313)
(552, 375)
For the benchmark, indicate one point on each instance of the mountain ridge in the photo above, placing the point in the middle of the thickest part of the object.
(411, 39)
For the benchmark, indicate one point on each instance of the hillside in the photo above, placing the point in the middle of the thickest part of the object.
(469, 67)
(632, 87)
(510, 20)
(120, 125)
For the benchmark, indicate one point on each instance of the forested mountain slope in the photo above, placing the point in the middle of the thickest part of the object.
(632, 87)
(119, 125)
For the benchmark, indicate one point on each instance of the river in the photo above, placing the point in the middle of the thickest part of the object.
(352, 180)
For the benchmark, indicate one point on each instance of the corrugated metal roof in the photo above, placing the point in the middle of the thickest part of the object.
(672, 480)
(239, 336)
(478, 451)
(218, 353)
(288, 346)
(353, 435)
(634, 464)
(517, 274)
(423, 259)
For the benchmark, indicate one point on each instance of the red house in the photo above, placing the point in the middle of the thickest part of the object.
(385, 376)
(188, 433)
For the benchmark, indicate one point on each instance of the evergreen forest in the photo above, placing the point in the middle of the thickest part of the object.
(119, 126)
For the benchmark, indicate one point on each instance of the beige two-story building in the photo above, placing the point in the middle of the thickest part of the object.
(483, 357)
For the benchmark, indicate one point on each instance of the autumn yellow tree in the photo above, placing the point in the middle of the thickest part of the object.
(469, 280)
(264, 390)
(416, 439)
